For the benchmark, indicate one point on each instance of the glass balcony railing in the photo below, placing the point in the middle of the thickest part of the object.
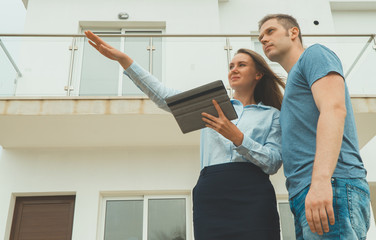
(9, 72)
(66, 65)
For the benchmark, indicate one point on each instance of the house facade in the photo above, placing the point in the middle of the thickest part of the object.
(88, 155)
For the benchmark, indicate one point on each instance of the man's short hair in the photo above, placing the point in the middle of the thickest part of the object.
(285, 20)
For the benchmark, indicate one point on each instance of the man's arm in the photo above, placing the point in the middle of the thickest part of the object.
(329, 96)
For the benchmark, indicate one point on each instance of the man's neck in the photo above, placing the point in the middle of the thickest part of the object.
(289, 59)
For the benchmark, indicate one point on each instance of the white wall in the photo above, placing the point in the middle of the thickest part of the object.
(242, 16)
(355, 22)
(63, 16)
(88, 172)
(362, 79)
(46, 61)
(13, 13)
(187, 62)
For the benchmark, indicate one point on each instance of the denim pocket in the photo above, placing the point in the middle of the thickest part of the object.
(359, 210)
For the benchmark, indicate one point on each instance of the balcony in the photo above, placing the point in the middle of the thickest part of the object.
(56, 91)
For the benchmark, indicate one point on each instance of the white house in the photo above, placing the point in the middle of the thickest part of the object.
(86, 154)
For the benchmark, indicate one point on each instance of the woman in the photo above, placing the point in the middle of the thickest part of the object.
(233, 198)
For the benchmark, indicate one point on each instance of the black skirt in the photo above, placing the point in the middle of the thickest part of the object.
(235, 201)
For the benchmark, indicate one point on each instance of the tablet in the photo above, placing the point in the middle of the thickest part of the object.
(188, 106)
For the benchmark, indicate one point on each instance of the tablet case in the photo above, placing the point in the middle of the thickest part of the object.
(188, 106)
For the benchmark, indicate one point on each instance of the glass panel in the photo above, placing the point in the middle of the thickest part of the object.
(124, 220)
(167, 219)
(43, 62)
(191, 62)
(8, 74)
(137, 49)
(241, 42)
(157, 58)
(287, 221)
(360, 75)
(187, 63)
(99, 75)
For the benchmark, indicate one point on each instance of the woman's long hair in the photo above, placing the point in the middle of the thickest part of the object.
(269, 88)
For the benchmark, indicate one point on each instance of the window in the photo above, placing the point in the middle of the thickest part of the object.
(287, 221)
(145, 51)
(147, 217)
(45, 217)
(100, 76)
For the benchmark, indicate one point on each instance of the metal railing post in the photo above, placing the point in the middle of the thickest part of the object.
(228, 49)
(19, 74)
(151, 48)
(10, 59)
(359, 56)
(69, 88)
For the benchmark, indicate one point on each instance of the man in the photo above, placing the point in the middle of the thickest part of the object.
(324, 171)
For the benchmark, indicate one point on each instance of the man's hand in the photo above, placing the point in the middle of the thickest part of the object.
(222, 125)
(319, 207)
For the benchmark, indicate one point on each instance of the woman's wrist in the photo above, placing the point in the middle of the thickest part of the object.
(238, 139)
(125, 61)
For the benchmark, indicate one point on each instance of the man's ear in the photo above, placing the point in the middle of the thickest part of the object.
(294, 33)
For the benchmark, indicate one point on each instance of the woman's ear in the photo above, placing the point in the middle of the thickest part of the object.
(259, 75)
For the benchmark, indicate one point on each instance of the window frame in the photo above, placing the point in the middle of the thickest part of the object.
(285, 201)
(148, 31)
(112, 30)
(145, 198)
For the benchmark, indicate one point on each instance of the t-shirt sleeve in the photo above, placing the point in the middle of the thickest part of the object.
(318, 62)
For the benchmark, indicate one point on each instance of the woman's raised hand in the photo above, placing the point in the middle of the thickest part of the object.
(107, 50)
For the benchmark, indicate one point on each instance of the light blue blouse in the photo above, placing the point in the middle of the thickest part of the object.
(259, 124)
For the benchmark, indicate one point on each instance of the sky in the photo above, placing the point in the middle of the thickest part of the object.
(12, 16)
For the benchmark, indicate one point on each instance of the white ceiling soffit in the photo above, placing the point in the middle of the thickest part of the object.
(343, 5)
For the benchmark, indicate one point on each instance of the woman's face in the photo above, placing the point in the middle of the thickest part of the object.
(243, 74)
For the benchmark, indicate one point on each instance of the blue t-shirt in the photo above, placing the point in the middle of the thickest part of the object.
(299, 116)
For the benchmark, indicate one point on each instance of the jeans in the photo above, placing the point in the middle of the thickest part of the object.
(351, 205)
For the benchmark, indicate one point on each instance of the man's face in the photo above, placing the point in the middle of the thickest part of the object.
(275, 40)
